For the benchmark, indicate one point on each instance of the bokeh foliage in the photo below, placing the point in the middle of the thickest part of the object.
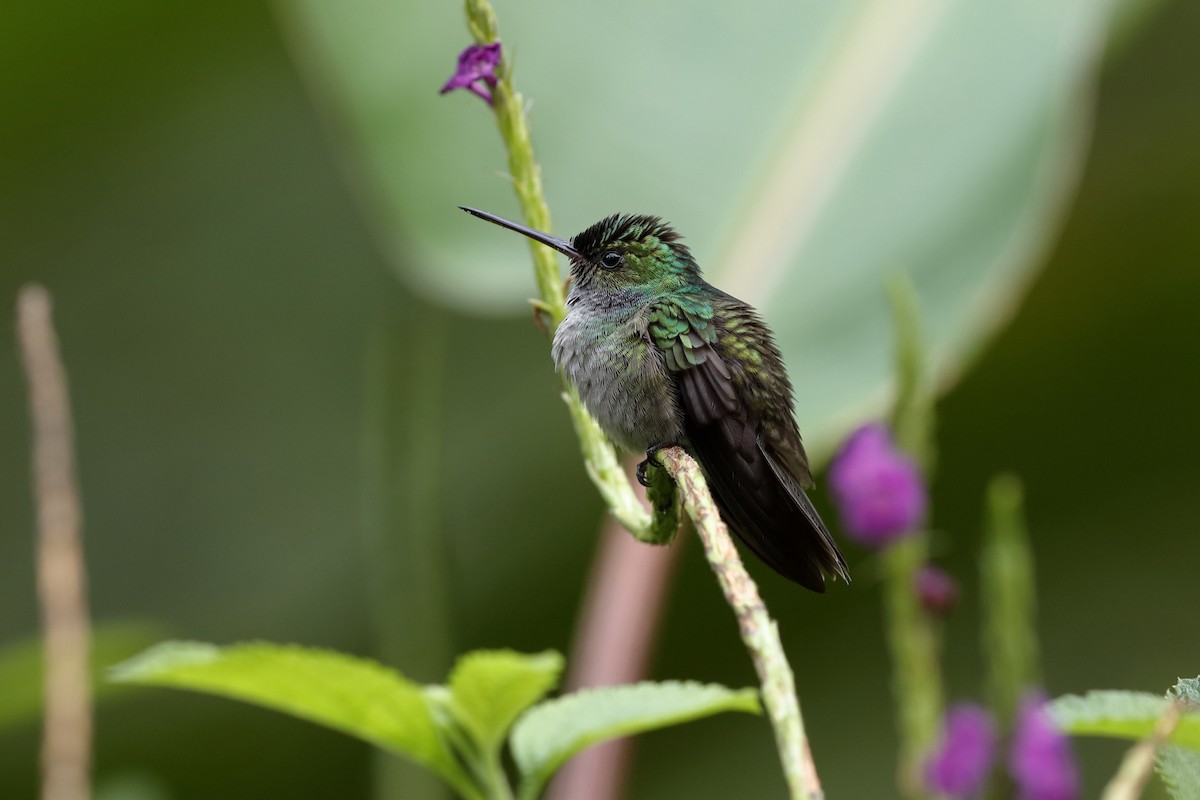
(952, 131)
(166, 175)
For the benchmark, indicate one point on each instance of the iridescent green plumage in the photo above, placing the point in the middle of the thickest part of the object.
(659, 357)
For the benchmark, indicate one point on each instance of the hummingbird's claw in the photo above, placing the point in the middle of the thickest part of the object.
(641, 473)
(651, 452)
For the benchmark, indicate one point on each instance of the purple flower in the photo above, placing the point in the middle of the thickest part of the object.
(1041, 761)
(476, 70)
(937, 590)
(879, 490)
(960, 765)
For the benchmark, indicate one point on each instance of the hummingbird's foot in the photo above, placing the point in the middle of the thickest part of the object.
(651, 452)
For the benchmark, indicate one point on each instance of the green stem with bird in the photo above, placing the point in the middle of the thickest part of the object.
(759, 632)
(600, 458)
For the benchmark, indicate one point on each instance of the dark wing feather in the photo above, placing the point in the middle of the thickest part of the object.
(819, 543)
(759, 496)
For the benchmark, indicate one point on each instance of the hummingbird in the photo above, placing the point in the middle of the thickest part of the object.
(659, 357)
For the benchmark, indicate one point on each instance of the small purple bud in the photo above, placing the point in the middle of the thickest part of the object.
(936, 589)
(960, 765)
(476, 71)
(1041, 761)
(879, 490)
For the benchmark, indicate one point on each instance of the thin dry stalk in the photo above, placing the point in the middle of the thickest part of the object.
(67, 738)
(1138, 763)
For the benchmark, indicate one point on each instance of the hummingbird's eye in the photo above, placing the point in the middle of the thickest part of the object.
(611, 260)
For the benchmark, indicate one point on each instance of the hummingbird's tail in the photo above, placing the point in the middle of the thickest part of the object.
(764, 505)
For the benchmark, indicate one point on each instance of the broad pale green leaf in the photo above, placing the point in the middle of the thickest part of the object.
(941, 140)
(551, 732)
(937, 137)
(1180, 771)
(490, 688)
(21, 668)
(352, 695)
(1125, 715)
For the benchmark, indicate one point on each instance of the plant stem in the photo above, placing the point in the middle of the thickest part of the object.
(600, 459)
(61, 573)
(1138, 763)
(759, 632)
(916, 671)
(605, 469)
(496, 781)
(476, 783)
(912, 417)
(912, 635)
(1009, 600)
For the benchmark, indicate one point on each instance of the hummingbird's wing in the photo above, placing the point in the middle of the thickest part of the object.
(737, 409)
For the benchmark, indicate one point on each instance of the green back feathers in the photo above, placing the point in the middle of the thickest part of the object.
(683, 328)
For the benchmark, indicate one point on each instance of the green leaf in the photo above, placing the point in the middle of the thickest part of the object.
(1180, 771)
(490, 688)
(1187, 690)
(1124, 715)
(938, 138)
(965, 210)
(352, 695)
(21, 668)
(551, 732)
(1180, 768)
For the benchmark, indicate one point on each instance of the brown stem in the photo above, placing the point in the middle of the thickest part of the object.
(66, 742)
(1138, 763)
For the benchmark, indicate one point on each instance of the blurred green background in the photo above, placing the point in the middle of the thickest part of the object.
(241, 356)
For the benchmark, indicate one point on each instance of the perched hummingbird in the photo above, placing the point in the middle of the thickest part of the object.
(660, 358)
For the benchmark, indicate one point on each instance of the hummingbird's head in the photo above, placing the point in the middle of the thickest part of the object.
(627, 250)
(619, 252)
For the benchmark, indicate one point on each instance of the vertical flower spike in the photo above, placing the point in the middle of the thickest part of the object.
(476, 71)
(960, 766)
(879, 490)
(937, 590)
(1041, 761)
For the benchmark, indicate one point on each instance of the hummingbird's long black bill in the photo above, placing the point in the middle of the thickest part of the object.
(561, 245)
